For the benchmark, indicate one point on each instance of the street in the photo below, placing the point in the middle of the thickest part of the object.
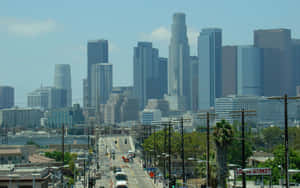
(136, 175)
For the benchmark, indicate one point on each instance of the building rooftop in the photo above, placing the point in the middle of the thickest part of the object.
(35, 158)
(16, 151)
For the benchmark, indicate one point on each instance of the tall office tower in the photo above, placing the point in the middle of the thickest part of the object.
(178, 65)
(85, 93)
(296, 59)
(101, 83)
(229, 72)
(145, 74)
(97, 52)
(210, 67)
(62, 80)
(163, 76)
(278, 42)
(7, 97)
(249, 71)
(194, 66)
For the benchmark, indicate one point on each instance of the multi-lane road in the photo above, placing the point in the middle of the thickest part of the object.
(137, 177)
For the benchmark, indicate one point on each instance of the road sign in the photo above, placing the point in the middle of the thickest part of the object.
(254, 171)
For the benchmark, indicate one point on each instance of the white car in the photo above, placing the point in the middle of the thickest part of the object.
(121, 184)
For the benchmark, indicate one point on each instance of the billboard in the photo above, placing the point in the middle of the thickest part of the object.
(254, 171)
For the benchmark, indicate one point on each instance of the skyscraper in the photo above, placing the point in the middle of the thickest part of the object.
(101, 83)
(229, 72)
(210, 67)
(249, 71)
(296, 59)
(163, 76)
(7, 97)
(178, 65)
(146, 72)
(62, 80)
(97, 52)
(194, 63)
(85, 93)
(278, 40)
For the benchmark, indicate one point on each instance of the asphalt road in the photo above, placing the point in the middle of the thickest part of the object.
(137, 177)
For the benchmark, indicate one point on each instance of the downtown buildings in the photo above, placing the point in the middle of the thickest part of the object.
(7, 97)
(97, 52)
(150, 73)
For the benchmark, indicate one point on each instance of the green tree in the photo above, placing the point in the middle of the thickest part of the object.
(272, 137)
(277, 163)
(223, 136)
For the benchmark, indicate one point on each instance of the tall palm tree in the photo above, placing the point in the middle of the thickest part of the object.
(223, 136)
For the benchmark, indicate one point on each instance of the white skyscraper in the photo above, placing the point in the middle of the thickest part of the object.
(178, 65)
(62, 80)
(101, 82)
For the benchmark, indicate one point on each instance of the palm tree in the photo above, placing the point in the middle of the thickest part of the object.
(223, 136)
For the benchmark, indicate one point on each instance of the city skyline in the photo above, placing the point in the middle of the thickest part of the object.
(46, 26)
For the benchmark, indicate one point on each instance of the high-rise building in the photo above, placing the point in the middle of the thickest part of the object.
(101, 83)
(62, 80)
(47, 98)
(146, 72)
(229, 70)
(178, 65)
(194, 73)
(7, 97)
(279, 40)
(210, 67)
(85, 93)
(163, 76)
(249, 71)
(296, 59)
(97, 52)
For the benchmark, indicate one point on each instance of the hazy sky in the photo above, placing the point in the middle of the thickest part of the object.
(35, 35)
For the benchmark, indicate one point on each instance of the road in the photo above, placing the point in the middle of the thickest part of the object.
(137, 177)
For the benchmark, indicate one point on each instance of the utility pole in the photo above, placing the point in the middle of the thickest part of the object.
(242, 111)
(286, 142)
(182, 151)
(286, 139)
(165, 148)
(170, 170)
(84, 178)
(63, 153)
(243, 149)
(207, 150)
(207, 116)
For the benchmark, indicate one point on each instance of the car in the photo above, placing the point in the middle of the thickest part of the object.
(125, 159)
(131, 153)
(121, 176)
(121, 184)
(117, 169)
